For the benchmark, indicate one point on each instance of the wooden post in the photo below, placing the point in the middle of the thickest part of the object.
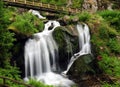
(25, 1)
(48, 5)
(40, 4)
(4, 82)
(33, 2)
(56, 7)
(63, 8)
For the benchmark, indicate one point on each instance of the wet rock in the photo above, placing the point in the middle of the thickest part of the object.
(67, 43)
(82, 65)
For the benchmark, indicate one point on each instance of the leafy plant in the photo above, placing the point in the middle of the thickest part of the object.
(77, 3)
(114, 45)
(12, 73)
(85, 16)
(55, 2)
(6, 37)
(112, 17)
(37, 83)
(27, 24)
(105, 84)
(110, 65)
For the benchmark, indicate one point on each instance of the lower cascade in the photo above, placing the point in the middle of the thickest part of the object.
(41, 53)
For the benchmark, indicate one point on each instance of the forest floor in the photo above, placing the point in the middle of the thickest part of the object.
(93, 80)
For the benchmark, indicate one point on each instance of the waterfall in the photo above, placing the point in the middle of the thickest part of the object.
(41, 56)
(84, 45)
(34, 12)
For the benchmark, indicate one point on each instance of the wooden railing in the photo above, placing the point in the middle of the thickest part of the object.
(5, 79)
(40, 6)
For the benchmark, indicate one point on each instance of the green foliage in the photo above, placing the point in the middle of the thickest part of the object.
(37, 83)
(103, 32)
(105, 84)
(110, 65)
(112, 17)
(6, 43)
(85, 16)
(59, 37)
(12, 73)
(6, 38)
(106, 32)
(1, 10)
(77, 3)
(114, 45)
(27, 24)
(55, 2)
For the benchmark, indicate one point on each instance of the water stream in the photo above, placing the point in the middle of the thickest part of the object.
(41, 54)
(84, 45)
(41, 58)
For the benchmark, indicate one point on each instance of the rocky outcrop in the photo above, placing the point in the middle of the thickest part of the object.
(95, 5)
(90, 5)
(67, 40)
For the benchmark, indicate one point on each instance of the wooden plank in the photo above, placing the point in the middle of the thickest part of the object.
(41, 6)
(37, 4)
(44, 5)
(19, 1)
(52, 6)
(29, 3)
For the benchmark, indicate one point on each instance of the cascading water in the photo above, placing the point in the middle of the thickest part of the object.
(84, 44)
(40, 58)
(34, 12)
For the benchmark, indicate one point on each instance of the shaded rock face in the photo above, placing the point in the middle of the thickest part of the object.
(67, 44)
(18, 53)
(82, 65)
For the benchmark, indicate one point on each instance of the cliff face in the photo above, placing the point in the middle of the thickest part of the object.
(94, 5)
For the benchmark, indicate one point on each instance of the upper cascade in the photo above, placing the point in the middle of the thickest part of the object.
(37, 13)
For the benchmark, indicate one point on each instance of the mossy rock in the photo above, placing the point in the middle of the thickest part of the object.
(82, 65)
(67, 44)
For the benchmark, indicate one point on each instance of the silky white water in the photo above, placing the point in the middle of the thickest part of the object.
(41, 56)
(84, 44)
(37, 13)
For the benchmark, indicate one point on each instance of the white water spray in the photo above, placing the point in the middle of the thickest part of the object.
(37, 13)
(40, 58)
(84, 44)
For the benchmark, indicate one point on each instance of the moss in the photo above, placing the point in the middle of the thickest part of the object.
(114, 45)
(84, 16)
(82, 65)
(112, 17)
(27, 24)
(110, 65)
(59, 37)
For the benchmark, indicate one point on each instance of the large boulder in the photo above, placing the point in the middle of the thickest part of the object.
(67, 42)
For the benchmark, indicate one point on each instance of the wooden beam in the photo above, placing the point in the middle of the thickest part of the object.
(39, 6)
(15, 81)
